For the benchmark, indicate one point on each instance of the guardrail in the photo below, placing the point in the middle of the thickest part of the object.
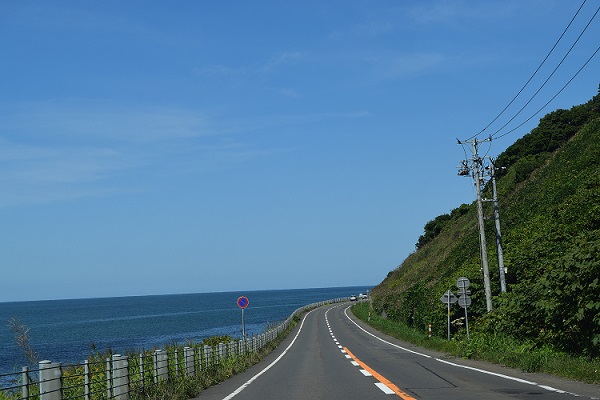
(118, 376)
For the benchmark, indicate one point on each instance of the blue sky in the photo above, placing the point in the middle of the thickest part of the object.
(150, 148)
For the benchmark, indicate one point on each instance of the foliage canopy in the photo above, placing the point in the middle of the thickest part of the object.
(550, 209)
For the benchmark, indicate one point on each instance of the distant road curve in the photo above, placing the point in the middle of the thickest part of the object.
(332, 355)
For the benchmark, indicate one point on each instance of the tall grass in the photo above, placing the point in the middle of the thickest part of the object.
(498, 349)
(177, 385)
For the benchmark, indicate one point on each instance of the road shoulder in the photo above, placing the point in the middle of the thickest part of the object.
(575, 387)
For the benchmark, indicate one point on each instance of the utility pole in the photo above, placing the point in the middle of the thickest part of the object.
(499, 251)
(477, 167)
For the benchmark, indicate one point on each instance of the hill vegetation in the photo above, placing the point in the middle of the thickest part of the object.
(549, 192)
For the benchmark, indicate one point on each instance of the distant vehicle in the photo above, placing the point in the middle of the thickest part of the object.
(353, 298)
(363, 296)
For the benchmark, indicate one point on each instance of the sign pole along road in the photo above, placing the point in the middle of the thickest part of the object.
(464, 300)
(242, 303)
(448, 298)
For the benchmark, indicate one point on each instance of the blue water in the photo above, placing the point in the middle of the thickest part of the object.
(66, 330)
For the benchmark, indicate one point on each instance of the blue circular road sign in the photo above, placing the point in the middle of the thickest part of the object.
(242, 302)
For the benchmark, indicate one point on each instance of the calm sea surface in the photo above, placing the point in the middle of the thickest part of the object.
(67, 330)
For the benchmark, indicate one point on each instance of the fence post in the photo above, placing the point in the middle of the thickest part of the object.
(142, 370)
(205, 356)
(219, 353)
(86, 380)
(200, 358)
(176, 357)
(120, 377)
(50, 380)
(188, 361)
(161, 365)
(108, 379)
(155, 365)
(25, 382)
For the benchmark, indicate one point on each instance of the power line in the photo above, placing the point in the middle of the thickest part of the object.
(534, 73)
(553, 97)
(549, 77)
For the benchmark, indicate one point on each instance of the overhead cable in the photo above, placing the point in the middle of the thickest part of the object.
(549, 77)
(549, 101)
(534, 73)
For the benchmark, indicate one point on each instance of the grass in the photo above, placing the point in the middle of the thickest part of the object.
(184, 388)
(496, 349)
(177, 386)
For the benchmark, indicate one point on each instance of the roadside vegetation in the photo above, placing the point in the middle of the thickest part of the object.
(493, 348)
(177, 386)
(549, 318)
(186, 387)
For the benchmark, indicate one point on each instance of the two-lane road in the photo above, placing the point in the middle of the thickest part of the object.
(330, 355)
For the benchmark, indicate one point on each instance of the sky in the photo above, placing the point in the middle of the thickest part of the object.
(152, 147)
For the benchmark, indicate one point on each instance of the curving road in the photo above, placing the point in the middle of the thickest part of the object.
(331, 355)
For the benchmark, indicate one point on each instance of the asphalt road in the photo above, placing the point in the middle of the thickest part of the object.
(331, 355)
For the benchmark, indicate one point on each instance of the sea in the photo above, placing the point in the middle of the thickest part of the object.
(68, 331)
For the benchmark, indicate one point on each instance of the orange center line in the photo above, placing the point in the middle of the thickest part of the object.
(380, 377)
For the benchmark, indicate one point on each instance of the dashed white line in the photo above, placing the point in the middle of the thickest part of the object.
(384, 388)
(380, 385)
(483, 371)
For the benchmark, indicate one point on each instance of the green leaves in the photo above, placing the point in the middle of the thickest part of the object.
(550, 211)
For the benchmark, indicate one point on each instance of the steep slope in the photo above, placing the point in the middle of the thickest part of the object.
(550, 209)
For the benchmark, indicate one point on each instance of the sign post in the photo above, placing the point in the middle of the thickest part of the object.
(242, 303)
(464, 300)
(448, 298)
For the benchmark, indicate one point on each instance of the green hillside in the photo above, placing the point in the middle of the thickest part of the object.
(550, 213)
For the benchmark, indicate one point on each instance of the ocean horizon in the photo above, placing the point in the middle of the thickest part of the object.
(70, 330)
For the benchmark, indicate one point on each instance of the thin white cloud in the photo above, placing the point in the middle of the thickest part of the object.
(370, 28)
(218, 71)
(45, 173)
(88, 120)
(374, 28)
(73, 18)
(258, 123)
(407, 65)
(287, 92)
(226, 71)
(60, 152)
(281, 59)
(58, 165)
(457, 12)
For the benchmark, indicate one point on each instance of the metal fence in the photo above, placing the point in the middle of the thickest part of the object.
(118, 376)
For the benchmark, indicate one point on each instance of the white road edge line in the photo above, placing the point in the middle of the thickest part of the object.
(483, 371)
(378, 338)
(268, 367)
